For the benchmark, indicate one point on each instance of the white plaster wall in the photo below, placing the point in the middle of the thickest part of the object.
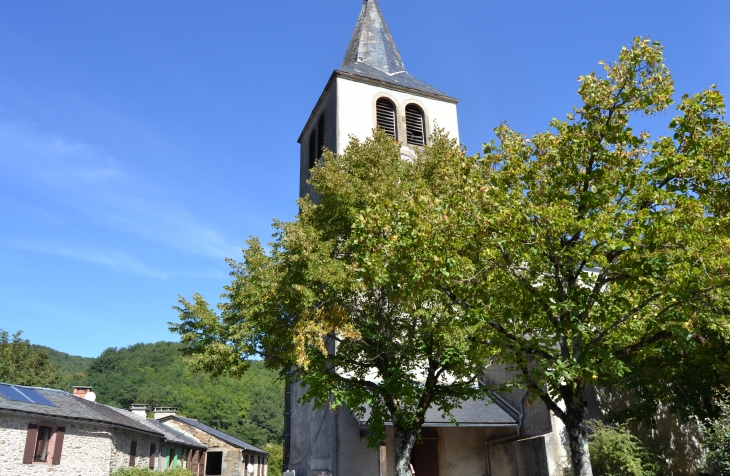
(356, 111)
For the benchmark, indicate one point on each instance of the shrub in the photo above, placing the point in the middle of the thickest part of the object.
(149, 472)
(717, 441)
(276, 458)
(615, 451)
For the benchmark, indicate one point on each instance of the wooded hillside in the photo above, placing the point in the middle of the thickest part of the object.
(251, 409)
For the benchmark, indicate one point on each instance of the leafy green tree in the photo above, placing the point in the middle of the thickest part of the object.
(572, 257)
(348, 297)
(595, 246)
(615, 451)
(276, 458)
(21, 364)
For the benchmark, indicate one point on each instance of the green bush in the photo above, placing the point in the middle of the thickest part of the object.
(276, 458)
(149, 472)
(615, 451)
(717, 442)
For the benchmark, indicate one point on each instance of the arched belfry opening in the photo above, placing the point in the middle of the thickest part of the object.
(415, 125)
(386, 117)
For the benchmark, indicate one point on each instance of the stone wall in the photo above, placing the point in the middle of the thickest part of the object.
(86, 449)
(232, 456)
(122, 443)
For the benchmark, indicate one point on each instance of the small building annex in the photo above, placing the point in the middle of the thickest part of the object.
(226, 455)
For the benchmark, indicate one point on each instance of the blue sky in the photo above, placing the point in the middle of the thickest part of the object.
(141, 143)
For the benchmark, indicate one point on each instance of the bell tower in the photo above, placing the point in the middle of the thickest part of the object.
(370, 89)
(373, 89)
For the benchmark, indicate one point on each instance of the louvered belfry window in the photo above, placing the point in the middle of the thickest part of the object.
(415, 125)
(312, 149)
(385, 111)
(320, 136)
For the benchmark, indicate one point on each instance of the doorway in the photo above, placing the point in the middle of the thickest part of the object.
(215, 464)
(425, 456)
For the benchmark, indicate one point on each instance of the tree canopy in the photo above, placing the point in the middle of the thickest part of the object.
(579, 256)
(21, 364)
(598, 247)
(347, 296)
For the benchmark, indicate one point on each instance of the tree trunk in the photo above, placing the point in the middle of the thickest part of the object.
(404, 442)
(580, 458)
(576, 405)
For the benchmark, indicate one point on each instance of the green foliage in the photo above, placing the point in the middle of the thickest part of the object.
(21, 364)
(276, 458)
(598, 250)
(149, 472)
(71, 368)
(578, 257)
(251, 409)
(717, 441)
(361, 267)
(615, 451)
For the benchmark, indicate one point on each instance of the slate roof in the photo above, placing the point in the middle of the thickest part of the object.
(171, 434)
(70, 406)
(216, 433)
(483, 413)
(372, 53)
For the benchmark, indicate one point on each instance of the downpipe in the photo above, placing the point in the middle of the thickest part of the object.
(519, 415)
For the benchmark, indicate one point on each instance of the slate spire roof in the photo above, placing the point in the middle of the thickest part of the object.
(372, 43)
(372, 53)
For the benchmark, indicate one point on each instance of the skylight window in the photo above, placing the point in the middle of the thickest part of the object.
(24, 395)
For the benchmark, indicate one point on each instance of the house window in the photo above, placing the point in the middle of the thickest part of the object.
(41, 446)
(415, 125)
(385, 115)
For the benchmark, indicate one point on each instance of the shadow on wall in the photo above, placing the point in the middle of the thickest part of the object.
(680, 441)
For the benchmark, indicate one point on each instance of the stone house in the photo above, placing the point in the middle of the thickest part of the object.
(44, 430)
(226, 455)
(178, 450)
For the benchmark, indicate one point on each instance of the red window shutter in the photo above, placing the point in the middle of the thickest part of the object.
(153, 455)
(132, 453)
(58, 447)
(30, 440)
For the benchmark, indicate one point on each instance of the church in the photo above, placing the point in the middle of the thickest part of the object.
(503, 435)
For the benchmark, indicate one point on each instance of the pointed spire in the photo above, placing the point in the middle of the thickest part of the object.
(371, 42)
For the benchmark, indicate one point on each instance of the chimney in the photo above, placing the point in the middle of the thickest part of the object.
(81, 391)
(162, 412)
(139, 409)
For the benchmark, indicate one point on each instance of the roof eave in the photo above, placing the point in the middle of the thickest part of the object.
(85, 420)
(396, 87)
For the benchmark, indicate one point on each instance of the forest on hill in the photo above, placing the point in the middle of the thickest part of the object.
(250, 408)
